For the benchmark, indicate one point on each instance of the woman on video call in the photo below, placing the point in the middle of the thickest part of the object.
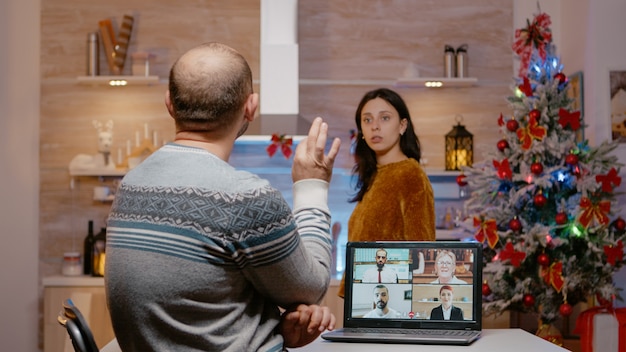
(446, 311)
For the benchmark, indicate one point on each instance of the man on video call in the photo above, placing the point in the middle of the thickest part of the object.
(381, 273)
(381, 299)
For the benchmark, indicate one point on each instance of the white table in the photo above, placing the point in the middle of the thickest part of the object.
(509, 340)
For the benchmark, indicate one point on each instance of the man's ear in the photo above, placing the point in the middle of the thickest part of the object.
(252, 103)
(168, 103)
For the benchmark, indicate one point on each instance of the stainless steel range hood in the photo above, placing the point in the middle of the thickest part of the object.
(279, 72)
(288, 124)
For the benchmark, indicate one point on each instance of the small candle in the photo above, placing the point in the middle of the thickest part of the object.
(136, 138)
(128, 147)
(154, 138)
(119, 156)
(145, 131)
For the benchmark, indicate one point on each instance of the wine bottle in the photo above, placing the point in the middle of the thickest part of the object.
(88, 251)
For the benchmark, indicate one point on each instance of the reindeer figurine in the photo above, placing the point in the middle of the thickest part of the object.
(101, 160)
(105, 140)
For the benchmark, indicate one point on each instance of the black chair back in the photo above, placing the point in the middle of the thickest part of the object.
(77, 328)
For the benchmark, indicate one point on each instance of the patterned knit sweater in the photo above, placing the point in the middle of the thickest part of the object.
(398, 206)
(200, 255)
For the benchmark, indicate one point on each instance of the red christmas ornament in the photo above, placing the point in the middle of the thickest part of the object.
(528, 300)
(502, 145)
(543, 260)
(566, 309)
(536, 168)
(540, 200)
(486, 289)
(620, 224)
(560, 218)
(534, 114)
(515, 225)
(460, 180)
(571, 159)
(512, 125)
(560, 77)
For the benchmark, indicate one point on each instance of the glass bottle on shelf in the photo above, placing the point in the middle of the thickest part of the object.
(88, 250)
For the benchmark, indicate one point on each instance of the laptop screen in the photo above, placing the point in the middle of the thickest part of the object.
(413, 284)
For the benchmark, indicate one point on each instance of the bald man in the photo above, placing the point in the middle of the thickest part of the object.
(201, 256)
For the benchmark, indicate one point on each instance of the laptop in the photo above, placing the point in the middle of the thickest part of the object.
(402, 302)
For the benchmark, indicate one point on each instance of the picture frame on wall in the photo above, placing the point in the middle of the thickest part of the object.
(575, 92)
(617, 81)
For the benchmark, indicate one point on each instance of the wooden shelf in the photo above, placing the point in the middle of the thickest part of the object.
(436, 82)
(118, 81)
(99, 172)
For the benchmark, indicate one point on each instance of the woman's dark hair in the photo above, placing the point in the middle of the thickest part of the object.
(365, 157)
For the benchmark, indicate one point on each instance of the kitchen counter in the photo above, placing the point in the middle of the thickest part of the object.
(72, 281)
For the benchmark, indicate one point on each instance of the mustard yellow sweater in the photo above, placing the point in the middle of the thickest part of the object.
(399, 206)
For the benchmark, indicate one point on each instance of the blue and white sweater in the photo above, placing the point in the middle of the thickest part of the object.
(201, 255)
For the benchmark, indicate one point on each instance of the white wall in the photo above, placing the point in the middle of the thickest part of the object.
(19, 162)
(605, 51)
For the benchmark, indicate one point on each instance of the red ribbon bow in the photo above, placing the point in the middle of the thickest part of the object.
(503, 169)
(554, 275)
(614, 252)
(530, 132)
(487, 230)
(592, 211)
(609, 180)
(282, 142)
(571, 118)
(509, 252)
(536, 35)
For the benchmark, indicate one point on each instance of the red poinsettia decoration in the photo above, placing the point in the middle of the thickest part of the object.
(486, 230)
(509, 253)
(609, 180)
(591, 212)
(501, 120)
(614, 252)
(532, 131)
(569, 118)
(536, 35)
(280, 142)
(503, 169)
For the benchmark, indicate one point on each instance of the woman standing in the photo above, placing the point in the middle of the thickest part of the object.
(394, 197)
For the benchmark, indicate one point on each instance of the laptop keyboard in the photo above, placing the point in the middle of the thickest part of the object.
(415, 332)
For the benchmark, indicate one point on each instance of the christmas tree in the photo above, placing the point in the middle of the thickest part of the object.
(543, 201)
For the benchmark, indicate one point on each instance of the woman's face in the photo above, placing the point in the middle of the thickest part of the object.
(446, 297)
(381, 126)
(445, 268)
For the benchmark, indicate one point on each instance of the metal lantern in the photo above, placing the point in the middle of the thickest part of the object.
(459, 147)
